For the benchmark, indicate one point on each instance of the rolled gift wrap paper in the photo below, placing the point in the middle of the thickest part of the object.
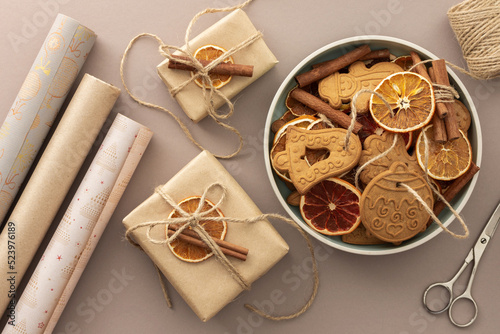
(52, 178)
(136, 152)
(44, 90)
(58, 262)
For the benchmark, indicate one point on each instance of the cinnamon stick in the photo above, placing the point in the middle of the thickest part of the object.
(226, 247)
(375, 54)
(441, 108)
(451, 119)
(455, 187)
(320, 106)
(420, 68)
(222, 68)
(331, 66)
(438, 123)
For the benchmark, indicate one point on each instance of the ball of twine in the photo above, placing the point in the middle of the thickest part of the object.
(476, 24)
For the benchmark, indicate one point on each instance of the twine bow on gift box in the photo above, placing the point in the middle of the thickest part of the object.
(201, 71)
(194, 220)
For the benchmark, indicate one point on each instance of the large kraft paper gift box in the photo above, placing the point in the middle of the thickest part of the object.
(207, 286)
(227, 33)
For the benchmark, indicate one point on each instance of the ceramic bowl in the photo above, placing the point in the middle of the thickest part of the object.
(398, 47)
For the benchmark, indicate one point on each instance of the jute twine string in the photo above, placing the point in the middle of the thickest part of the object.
(354, 112)
(193, 220)
(476, 24)
(442, 93)
(408, 188)
(209, 92)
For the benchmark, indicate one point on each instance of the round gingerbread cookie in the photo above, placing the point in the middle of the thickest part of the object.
(389, 211)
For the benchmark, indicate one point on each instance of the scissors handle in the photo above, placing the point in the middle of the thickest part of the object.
(446, 285)
(465, 296)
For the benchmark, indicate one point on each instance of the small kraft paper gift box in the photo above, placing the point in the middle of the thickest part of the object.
(229, 32)
(207, 286)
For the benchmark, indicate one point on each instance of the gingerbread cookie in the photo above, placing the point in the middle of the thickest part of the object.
(360, 236)
(339, 160)
(339, 88)
(389, 211)
(463, 116)
(374, 145)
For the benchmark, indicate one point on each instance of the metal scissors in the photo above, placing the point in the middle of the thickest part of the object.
(474, 255)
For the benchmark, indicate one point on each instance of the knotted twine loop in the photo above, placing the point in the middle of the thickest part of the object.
(354, 112)
(408, 188)
(476, 24)
(201, 72)
(193, 220)
(442, 93)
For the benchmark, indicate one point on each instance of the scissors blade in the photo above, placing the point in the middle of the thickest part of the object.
(492, 225)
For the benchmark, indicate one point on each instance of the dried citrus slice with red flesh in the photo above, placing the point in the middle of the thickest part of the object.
(212, 52)
(331, 207)
(411, 98)
(446, 161)
(216, 229)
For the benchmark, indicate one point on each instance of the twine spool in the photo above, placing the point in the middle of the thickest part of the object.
(476, 24)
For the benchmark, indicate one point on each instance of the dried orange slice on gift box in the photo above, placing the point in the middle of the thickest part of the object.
(411, 98)
(216, 229)
(331, 207)
(212, 52)
(447, 161)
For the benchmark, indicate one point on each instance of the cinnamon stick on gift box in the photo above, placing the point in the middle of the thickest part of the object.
(193, 238)
(222, 68)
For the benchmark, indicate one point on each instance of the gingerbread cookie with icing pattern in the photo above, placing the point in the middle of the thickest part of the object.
(389, 211)
(339, 88)
(374, 145)
(339, 160)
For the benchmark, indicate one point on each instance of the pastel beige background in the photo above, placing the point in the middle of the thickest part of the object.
(119, 291)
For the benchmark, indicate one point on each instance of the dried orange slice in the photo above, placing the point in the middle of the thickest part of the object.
(404, 61)
(411, 98)
(280, 146)
(297, 108)
(216, 229)
(212, 52)
(446, 161)
(301, 122)
(331, 207)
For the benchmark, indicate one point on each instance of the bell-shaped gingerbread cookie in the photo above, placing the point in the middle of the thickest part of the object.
(339, 159)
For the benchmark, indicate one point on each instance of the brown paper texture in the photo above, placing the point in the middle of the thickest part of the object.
(53, 176)
(230, 31)
(206, 286)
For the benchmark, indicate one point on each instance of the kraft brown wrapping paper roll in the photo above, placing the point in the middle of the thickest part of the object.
(51, 181)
